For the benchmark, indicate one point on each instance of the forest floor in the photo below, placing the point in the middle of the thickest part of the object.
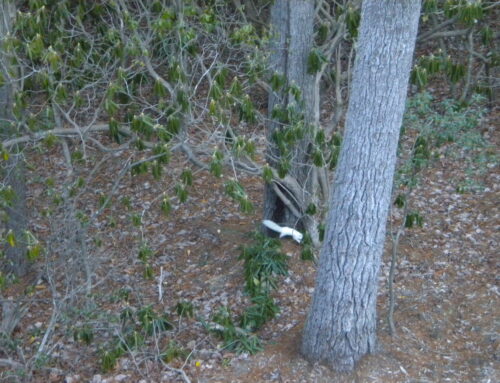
(447, 311)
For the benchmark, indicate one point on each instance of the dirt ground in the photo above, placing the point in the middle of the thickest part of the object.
(447, 288)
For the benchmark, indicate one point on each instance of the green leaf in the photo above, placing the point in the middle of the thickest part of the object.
(181, 193)
(35, 48)
(234, 189)
(311, 209)
(216, 168)
(148, 272)
(400, 201)
(277, 81)
(236, 89)
(52, 58)
(413, 219)
(114, 130)
(136, 220)
(321, 230)
(246, 206)
(145, 253)
(182, 100)
(318, 159)
(157, 169)
(158, 89)
(429, 6)
(307, 254)
(165, 206)
(353, 19)
(247, 110)
(164, 152)
(11, 238)
(33, 252)
(185, 309)
(109, 359)
(295, 91)
(320, 138)
(471, 12)
(419, 76)
(455, 71)
(267, 174)
(187, 177)
(322, 34)
(173, 352)
(284, 167)
(486, 35)
(212, 108)
(173, 125)
(315, 61)
(216, 163)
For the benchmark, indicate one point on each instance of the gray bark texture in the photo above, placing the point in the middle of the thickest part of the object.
(341, 326)
(293, 36)
(13, 172)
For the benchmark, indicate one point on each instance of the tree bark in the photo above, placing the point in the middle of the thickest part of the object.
(13, 171)
(341, 326)
(293, 37)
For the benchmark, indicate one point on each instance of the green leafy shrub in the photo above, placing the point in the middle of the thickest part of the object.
(235, 338)
(263, 262)
(263, 309)
(445, 128)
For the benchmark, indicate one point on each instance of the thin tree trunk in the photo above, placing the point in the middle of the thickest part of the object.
(293, 38)
(341, 326)
(13, 171)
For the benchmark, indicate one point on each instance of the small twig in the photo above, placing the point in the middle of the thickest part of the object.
(67, 156)
(470, 63)
(10, 363)
(55, 132)
(437, 27)
(160, 285)
(180, 372)
(395, 245)
(191, 156)
(454, 33)
(50, 328)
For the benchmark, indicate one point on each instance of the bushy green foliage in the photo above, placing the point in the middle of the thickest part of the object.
(235, 338)
(262, 310)
(464, 31)
(235, 190)
(174, 351)
(136, 328)
(443, 123)
(263, 263)
(141, 70)
(185, 309)
(444, 128)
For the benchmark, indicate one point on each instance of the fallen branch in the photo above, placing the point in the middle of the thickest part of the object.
(426, 35)
(10, 363)
(38, 136)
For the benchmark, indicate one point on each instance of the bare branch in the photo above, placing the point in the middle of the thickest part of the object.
(437, 28)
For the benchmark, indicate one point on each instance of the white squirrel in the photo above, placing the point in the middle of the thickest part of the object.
(283, 230)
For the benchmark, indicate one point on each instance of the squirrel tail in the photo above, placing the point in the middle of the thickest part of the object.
(271, 225)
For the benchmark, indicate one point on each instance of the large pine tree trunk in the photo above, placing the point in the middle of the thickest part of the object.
(293, 37)
(13, 172)
(341, 326)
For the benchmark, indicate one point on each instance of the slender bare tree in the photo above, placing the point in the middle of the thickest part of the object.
(13, 169)
(294, 118)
